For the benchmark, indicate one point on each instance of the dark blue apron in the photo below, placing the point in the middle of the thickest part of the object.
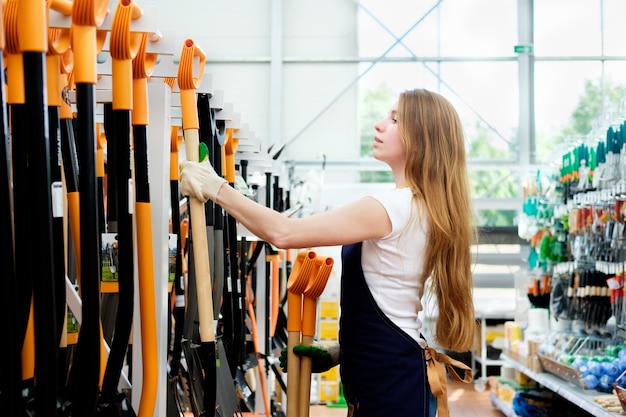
(383, 369)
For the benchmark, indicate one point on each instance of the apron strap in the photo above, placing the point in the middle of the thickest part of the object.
(437, 377)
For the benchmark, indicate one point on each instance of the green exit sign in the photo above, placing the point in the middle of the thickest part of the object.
(523, 49)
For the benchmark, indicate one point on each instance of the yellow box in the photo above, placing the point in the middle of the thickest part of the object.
(331, 375)
(523, 379)
(512, 332)
(329, 309)
(329, 330)
(329, 392)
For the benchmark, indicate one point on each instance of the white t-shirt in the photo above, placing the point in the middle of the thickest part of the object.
(393, 265)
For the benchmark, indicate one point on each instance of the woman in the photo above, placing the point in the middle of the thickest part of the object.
(392, 242)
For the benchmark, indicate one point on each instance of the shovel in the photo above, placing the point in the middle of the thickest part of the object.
(187, 82)
(296, 285)
(143, 64)
(84, 375)
(312, 292)
(179, 286)
(124, 46)
(32, 36)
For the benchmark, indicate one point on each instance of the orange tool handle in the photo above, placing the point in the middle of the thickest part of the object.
(73, 206)
(190, 70)
(28, 347)
(2, 39)
(147, 309)
(255, 341)
(274, 297)
(296, 284)
(32, 22)
(101, 143)
(87, 15)
(143, 65)
(58, 44)
(124, 46)
(14, 61)
(175, 142)
(313, 291)
(230, 147)
(184, 229)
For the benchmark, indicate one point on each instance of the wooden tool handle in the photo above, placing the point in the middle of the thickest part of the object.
(293, 374)
(304, 391)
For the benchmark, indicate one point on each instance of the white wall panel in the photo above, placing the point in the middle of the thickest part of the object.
(247, 87)
(236, 36)
(224, 29)
(320, 29)
(310, 93)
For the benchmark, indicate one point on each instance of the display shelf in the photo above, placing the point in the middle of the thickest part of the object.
(495, 304)
(567, 390)
(502, 406)
(487, 361)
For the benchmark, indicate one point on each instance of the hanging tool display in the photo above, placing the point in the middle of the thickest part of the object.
(580, 246)
(539, 291)
(59, 133)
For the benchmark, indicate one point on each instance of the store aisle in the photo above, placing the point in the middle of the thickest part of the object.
(463, 401)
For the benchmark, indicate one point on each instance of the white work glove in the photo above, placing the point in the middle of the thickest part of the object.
(199, 180)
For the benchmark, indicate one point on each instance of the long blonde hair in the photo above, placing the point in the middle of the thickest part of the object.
(436, 171)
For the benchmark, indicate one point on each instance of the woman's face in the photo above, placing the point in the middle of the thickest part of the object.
(388, 146)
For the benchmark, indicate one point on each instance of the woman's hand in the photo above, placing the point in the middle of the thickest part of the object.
(199, 180)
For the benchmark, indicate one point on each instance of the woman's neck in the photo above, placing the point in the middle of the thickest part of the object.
(399, 179)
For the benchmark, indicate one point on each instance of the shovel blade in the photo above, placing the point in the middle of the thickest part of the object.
(201, 363)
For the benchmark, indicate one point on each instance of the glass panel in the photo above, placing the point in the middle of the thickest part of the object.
(497, 218)
(568, 98)
(614, 41)
(454, 27)
(478, 27)
(488, 105)
(398, 76)
(567, 27)
(381, 23)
